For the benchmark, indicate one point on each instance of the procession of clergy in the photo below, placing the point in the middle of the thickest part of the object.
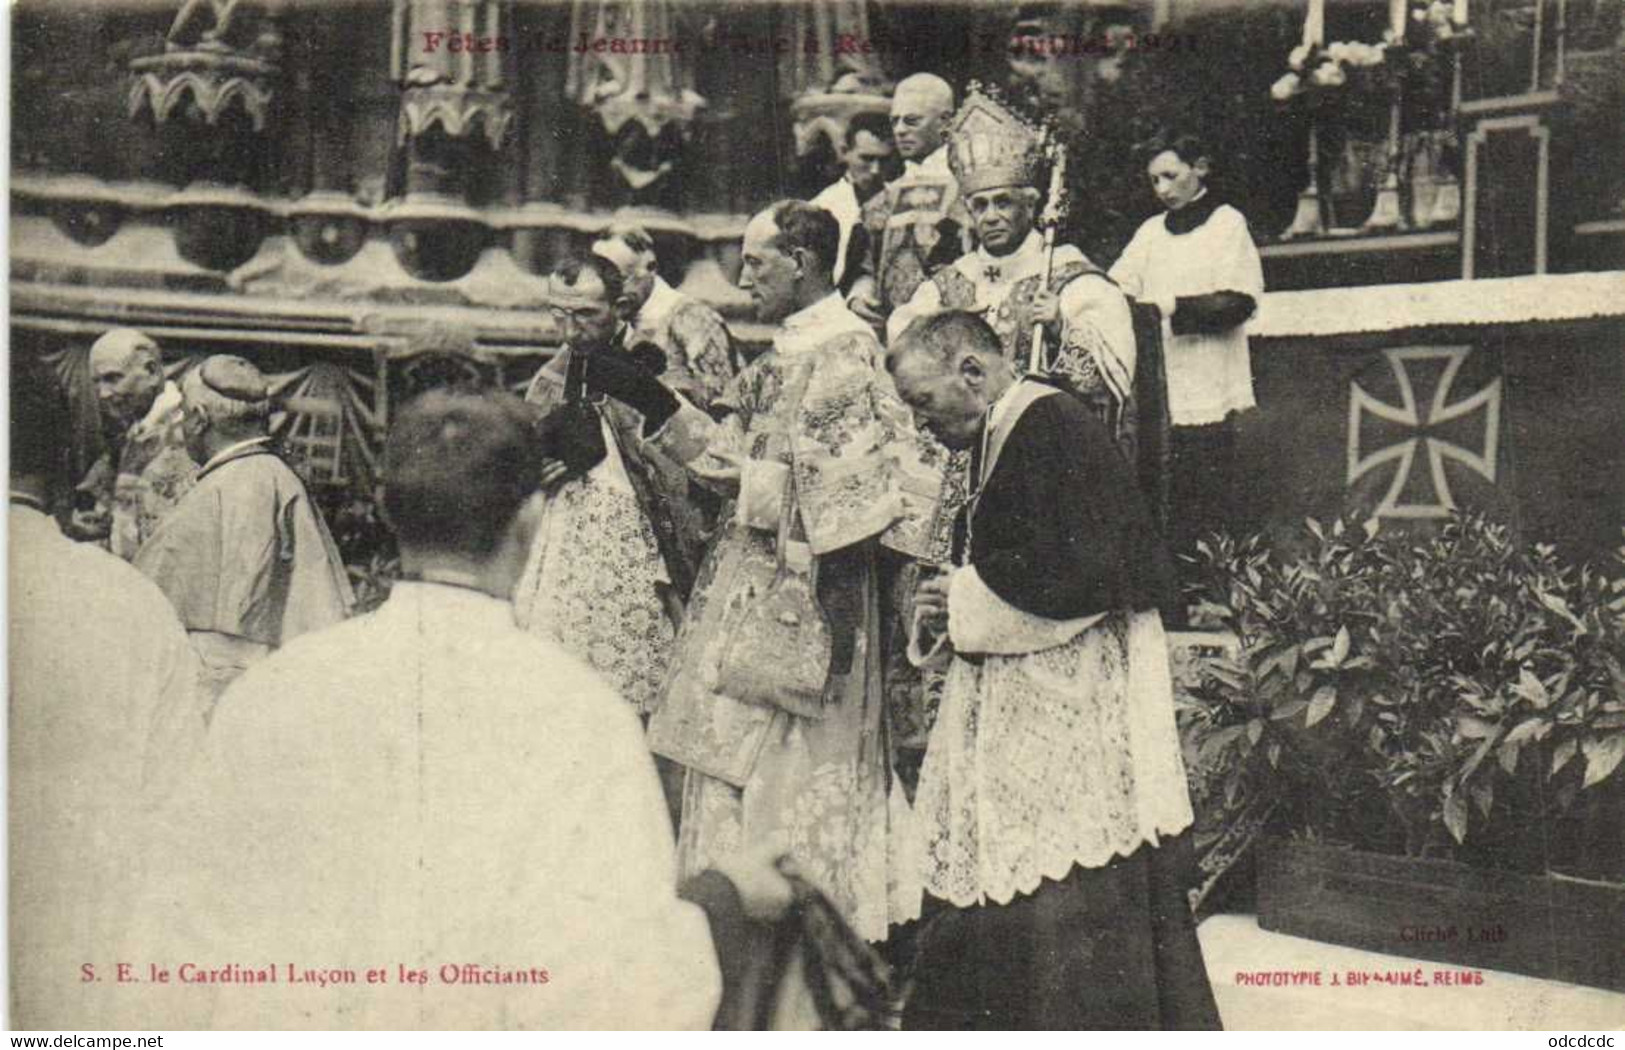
(939, 450)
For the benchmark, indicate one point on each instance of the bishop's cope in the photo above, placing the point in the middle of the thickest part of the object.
(1017, 281)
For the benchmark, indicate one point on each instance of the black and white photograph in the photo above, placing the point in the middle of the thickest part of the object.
(816, 515)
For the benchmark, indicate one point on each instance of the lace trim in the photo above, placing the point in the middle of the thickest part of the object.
(601, 598)
(1063, 757)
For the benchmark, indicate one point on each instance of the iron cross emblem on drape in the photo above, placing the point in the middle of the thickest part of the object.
(1427, 425)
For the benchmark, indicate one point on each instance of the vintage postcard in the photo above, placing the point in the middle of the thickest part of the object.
(903, 514)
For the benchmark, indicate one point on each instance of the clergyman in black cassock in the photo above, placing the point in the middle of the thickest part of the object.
(1052, 800)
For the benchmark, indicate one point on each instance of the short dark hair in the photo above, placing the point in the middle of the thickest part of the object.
(1186, 146)
(40, 423)
(634, 237)
(876, 124)
(569, 270)
(943, 334)
(809, 227)
(457, 467)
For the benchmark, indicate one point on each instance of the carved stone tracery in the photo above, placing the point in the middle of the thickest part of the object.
(219, 54)
(450, 59)
(830, 75)
(645, 100)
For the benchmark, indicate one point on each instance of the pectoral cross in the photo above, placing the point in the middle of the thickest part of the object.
(993, 273)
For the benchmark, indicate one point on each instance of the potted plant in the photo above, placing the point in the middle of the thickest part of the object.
(1424, 731)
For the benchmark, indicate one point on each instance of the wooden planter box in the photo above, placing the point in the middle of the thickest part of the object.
(1544, 926)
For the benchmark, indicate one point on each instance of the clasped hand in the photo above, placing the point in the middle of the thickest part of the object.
(1045, 308)
(757, 875)
(931, 603)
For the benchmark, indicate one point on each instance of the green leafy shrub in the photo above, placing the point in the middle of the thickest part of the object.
(1450, 695)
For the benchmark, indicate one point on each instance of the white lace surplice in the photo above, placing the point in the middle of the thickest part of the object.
(1047, 759)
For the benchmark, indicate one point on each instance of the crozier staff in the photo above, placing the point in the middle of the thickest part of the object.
(1052, 799)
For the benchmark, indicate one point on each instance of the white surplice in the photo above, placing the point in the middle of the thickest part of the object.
(427, 786)
(1209, 374)
(104, 719)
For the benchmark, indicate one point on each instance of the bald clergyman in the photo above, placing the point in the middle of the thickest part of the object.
(244, 557)
(146, 470)
(1053, 803)
(918, 224)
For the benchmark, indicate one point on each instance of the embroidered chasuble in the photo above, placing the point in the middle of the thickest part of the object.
(814, 416)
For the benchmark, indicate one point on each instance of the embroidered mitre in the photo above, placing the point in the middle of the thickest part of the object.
(989, 145)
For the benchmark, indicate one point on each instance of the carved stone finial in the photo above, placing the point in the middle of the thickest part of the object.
(644, 99)
(219, 54)
(449, 59)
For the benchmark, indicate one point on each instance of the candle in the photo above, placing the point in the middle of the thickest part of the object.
(1397, 10)
(1314, 23)
(1458, 12)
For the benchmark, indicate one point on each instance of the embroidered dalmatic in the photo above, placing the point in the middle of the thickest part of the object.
(915, 226)
(699, 352)
(814, 412)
